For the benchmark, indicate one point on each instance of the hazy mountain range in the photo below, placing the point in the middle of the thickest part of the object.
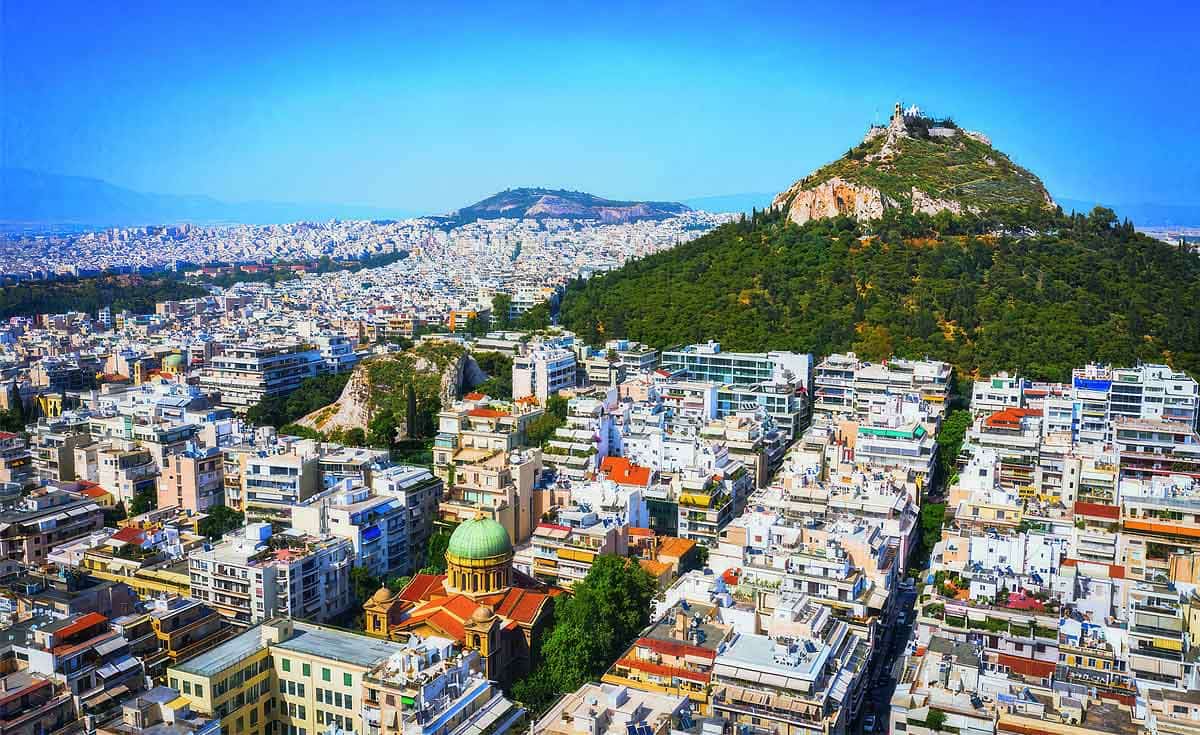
(36, 200)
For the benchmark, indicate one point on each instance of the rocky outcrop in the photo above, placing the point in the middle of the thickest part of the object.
(924, 204)
(373, 378)
(830, 199)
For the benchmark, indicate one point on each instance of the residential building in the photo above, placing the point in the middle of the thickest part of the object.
(433, 688)
(283, 676)
(542, 371)
(245, 374)
(193, 480)
(298, 575)
(611, 709)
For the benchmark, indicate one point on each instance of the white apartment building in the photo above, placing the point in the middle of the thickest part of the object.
(417, 490)
(542, 372)
(253, 575)
(247, 373)
(376, 525)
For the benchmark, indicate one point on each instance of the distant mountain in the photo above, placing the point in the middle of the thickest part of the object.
(914, 164)
(535, 203)
(746, 202)
(37, 199)
(1142, 215)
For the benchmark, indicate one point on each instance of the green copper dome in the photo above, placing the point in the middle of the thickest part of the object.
(173, 360)
(479, 539)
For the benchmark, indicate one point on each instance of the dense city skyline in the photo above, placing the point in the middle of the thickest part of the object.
(426, 111)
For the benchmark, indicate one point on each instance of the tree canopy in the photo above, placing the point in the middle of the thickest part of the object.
(593, 627)
(1032, 291)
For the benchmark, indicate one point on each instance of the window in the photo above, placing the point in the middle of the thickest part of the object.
(174, 683)
(282, 686)
(349, 702)
(307, 669)
(348, 680)
(291, 687)
(199, 690)
(337, 699)
(325, 675)
(300, 690)
(187, 687)
(287, 665)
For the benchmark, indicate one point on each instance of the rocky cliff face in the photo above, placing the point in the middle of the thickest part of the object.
(916, 164)
(830, 199)
(438, 378)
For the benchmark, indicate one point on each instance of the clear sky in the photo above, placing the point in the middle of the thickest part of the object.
(431, 106)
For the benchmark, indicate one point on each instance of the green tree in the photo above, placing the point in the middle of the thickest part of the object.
(363, 584)
(435, 552)
(538, 317)
(501, 303)
(950, 439)
(557, 406)
(381, 432)
(221, 520)
(540, 430)
(142, 502)
(592, 628)
(935, 720)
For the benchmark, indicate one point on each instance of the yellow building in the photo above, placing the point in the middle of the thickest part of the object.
(296, 675)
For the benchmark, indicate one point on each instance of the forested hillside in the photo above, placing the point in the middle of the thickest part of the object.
(1039, 297)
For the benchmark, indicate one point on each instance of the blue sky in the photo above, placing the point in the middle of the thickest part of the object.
(425, 109)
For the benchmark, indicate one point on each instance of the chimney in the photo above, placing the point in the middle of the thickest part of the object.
(681, 625)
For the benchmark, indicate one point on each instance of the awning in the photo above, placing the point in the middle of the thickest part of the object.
(371, 533)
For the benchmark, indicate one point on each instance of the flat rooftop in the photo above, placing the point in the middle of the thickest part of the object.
(225, 655)
(336, 645)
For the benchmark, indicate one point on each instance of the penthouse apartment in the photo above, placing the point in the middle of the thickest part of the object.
(805, 678)
(245, 374)
(193, 480)
(84, 651)
(376, 525)
(707, 362)
(610, 709)
(299, 575)
(845, 386)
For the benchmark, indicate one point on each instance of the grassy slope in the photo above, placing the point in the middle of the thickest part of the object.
(954, 168)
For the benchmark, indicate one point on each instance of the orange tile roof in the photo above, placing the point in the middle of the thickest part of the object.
(1100, 510)
(665, 671)
(635, 531)
(79, 625)
(1028, 666)
(676, 548)
(675, 648)
(474, 396)
(624, 472)
(489, 413)
(1009, 418)
(93, 491)
(423, 586)
(654, 568)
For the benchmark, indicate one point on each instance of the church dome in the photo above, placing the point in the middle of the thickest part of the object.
(382, 595)
(482, 614)
(173, 361)
(479, 539)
